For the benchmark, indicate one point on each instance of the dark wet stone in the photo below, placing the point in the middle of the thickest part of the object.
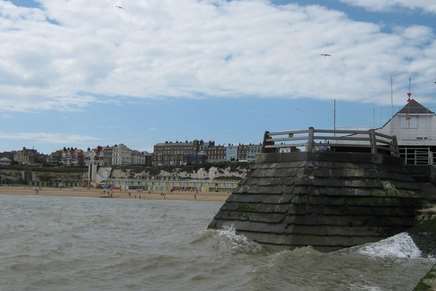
(326, 200)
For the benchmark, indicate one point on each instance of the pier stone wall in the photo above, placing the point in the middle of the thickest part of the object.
(324, 199)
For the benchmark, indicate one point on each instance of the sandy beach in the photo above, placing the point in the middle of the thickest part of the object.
(117, 194)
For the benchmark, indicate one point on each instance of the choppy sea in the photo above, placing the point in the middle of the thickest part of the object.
(110, 244)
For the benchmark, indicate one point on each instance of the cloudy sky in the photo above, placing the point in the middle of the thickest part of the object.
(83, 73)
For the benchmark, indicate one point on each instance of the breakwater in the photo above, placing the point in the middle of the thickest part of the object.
(327, 200)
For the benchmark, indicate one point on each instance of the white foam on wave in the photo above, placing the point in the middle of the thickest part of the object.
(237, 242)
(364, 288)
(398, 246)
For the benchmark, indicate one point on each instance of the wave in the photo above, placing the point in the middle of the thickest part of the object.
(397, 246)
(237, 242)
(228, 240)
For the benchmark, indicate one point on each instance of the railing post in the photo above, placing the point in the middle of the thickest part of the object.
(373, 141)
(395, 150)
(406, 155)
(311, 139)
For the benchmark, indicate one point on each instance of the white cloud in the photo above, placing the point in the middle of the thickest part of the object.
(74, 53)
(381, 5)
(49, 138)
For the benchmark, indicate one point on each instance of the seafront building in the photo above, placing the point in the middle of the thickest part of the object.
(231, 152)
(216, 153)
(67, 157)
(199, 152)
(179, 153)
(4, 162)
(10, 155)
(248, 152)
(121, 155)
(28, 157)
(106, 155)
(101, 156)
(415, 128)
(117, 155)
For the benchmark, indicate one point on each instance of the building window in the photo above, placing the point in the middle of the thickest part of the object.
(409, 122)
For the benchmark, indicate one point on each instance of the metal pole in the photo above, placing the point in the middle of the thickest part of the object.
(334, 117)
(392, 96)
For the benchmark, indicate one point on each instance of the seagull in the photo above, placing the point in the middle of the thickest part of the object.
(119, 6)
(325, 55)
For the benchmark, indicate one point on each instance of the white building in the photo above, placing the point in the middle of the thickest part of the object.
(121, 155)
(415, 128)
(124, 156)
(231, 153)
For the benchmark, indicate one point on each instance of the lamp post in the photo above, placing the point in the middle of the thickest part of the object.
(334, 101)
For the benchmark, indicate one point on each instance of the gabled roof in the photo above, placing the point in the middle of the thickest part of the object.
(414, 107)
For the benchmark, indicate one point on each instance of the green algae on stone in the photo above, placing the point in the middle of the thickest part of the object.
(428, 283)
(247, 207)
(390, 188)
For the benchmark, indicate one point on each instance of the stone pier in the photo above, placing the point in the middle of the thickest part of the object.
(328, 200)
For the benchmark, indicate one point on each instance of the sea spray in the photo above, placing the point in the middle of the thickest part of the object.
(398, 246)
(237, 243)
(227, 240)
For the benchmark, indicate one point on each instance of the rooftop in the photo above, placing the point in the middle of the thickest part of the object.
(414, 107)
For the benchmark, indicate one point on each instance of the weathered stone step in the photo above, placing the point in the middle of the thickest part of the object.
(317, 208)
(313, 230)
(310, 240)
(271, 218)
(256, 207)
(324, 191)
(324, 220)
(350, 220)
(279, 199)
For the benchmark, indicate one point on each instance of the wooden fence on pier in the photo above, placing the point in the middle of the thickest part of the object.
(325, 140)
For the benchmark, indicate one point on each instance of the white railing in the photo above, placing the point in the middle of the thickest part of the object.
(323, 139)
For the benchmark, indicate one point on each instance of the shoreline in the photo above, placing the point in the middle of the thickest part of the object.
(116, 194)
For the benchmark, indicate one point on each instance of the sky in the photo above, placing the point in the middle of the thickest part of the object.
(85, 73)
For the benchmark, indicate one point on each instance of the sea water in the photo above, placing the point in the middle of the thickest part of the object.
(114, 244)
